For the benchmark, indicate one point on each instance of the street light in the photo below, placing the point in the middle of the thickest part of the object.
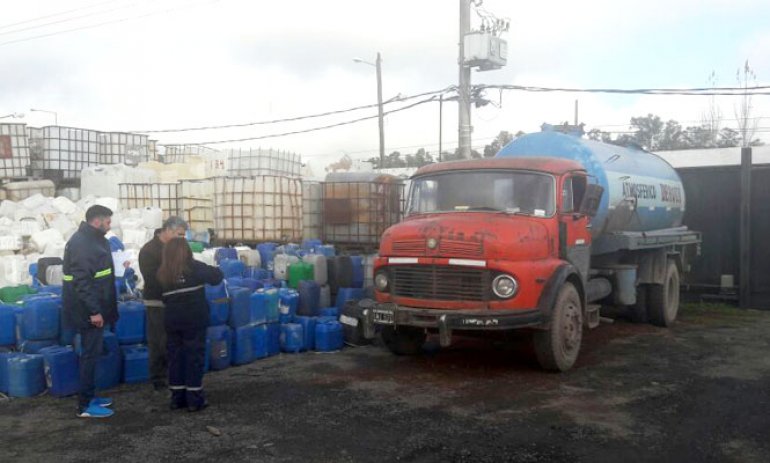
(13, 115)
(55, 114)
(378, 66)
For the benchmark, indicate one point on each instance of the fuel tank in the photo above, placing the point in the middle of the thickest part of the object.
(642, 192)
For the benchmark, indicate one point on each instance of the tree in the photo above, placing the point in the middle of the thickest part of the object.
(728, 138)
(345, 163)
(711, 119)
(648, 131)
(747, 126)
(672, 138)
(502, 139)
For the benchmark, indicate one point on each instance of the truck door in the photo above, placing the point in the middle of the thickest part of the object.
(574, 235)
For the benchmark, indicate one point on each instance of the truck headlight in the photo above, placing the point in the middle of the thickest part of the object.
(381, 281)
(504, 286)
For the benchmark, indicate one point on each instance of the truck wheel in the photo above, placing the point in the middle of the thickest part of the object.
(638, 311)
(406, 340)
(663, 300)
(557, 348)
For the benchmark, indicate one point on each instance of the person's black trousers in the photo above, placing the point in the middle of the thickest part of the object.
(91, 341)
(186, 360)
(156, 341)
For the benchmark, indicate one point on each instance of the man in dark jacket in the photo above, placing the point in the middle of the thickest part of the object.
(150, 257)
(90, 301)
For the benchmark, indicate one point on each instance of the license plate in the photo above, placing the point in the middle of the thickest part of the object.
(384, 317)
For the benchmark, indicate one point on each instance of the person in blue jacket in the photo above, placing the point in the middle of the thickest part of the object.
(182, 280)
(89, 301)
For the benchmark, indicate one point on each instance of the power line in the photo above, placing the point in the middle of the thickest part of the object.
(313, 129)
(296, 118)
(705, 91)
(52, 15)
(116, 21)
(66, 20)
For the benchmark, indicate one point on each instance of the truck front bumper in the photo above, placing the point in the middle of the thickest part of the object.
(446, 321)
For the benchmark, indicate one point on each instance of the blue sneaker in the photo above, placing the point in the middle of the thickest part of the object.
(101, 401)
(95, 411)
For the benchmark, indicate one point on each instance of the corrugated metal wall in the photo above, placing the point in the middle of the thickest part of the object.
(713, 208)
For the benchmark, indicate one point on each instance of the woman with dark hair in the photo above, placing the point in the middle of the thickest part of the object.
(182, 280)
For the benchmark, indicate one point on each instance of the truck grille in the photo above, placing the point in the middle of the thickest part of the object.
(409, 247)
(451, 248)
(440, 282)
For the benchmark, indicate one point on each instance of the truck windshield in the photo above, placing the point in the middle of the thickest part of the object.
(513, 192)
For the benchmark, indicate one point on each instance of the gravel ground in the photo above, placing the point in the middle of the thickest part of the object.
(695, 392)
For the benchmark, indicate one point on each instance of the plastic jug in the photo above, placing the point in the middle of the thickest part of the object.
(308, 331)
(136, 364)
(130, 327)
(232, 267)
(26, 375)
(329, 336)
(309, 298)
(62, 372)
(243, 345)
(291, 337)
(7, 325)
(300, 271)
(221, 347)
(240, 311)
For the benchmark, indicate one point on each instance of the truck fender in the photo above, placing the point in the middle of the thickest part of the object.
(563, 273)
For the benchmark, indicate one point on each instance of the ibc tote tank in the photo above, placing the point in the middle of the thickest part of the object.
(628, 176)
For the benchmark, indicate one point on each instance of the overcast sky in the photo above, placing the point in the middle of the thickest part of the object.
(162, 64)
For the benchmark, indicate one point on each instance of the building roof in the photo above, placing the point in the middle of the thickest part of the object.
(713, 157)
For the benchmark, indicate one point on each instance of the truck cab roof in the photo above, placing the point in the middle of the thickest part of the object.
(555, 166)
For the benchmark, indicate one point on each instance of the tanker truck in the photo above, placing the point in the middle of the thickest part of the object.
(540, 237)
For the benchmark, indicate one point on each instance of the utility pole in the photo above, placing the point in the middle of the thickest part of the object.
(378, 65)
(744, 231)
(440, 123)
(464, 90)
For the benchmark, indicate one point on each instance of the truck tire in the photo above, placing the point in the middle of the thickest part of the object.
(638, 311)
(406, 340)
(557, 348)
(663, 300)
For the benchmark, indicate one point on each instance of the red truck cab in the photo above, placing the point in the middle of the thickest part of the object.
(492, 244)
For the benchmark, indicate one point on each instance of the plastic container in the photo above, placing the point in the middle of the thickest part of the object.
(232, 267)
(110, 342)
(281, 263)
(225, 253)
(12, 294)
(130, 327)
(311, 244)
(288, 302)
(308, 331)
(291, 338)
(358, 266)
(309, 298)
(257, 273)
(62, 373)
(273, 338)
(7, 325)
(243, 345)
(196, 247)
(320, 270)
(249, 256)
(116, 244)
(219, 312)
(109, 369)
(266, 253)
(26, 375)
(34, 346)
(348, 294)
(242, 282)
(352, 318)
(259, 341)
(340, 273)
(214, 292)
(300, 271)
(4, 357)
(221, 346)
(264, 306)
(328, 336)
(325, 298)
(331, 312)
(136, 364)
(40, 317)
(240, 311)
(326, 250)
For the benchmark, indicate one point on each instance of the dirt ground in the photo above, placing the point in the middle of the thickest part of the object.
(696, 392)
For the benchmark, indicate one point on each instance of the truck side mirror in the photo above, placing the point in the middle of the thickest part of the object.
(590, 203)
